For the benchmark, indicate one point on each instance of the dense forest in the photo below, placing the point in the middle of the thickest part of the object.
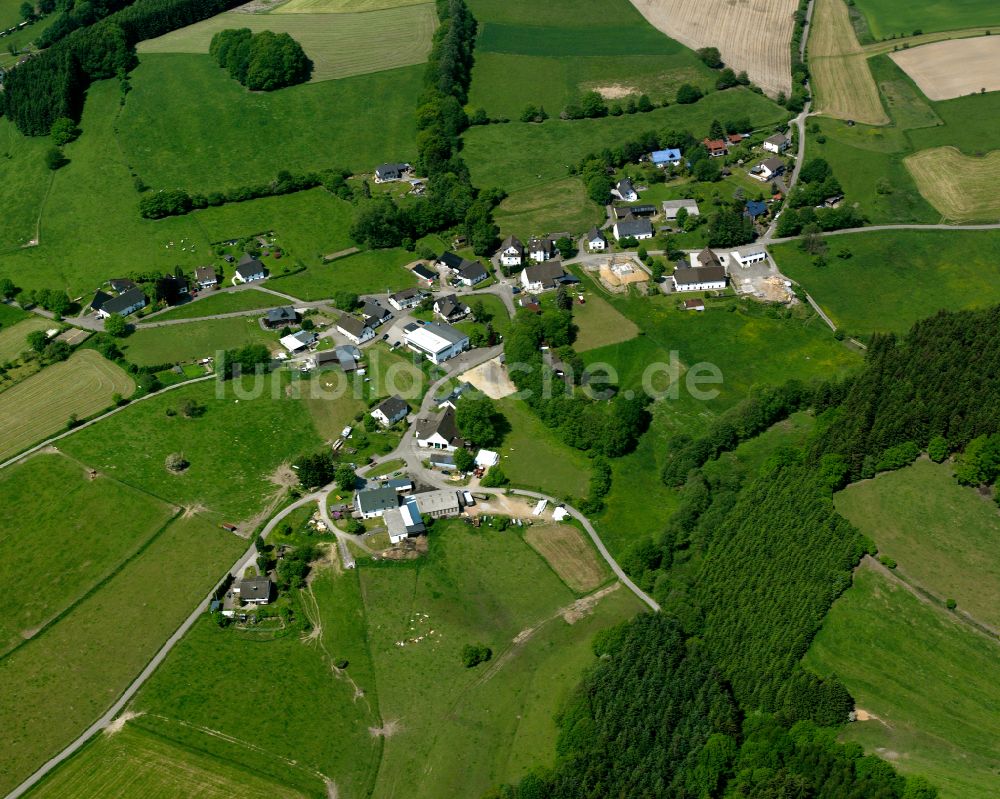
(709, 697)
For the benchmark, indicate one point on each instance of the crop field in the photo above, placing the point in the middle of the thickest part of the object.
(109, 523)
(869, 292)
(137, 763)
(41, 405)
(961, 187)
(930, 682)
(522, 156)
(228, 302)
(841, 78)
(569, 555)
(362, 273)
(339, 45)
(151, 346)
(559, 205)
(948, 69)
(221, 147)
(529, 443)
(13, 339)
(200, 701)
(752, 35)
(341, 6)
(247, 431)
(465, 730)
(600, 324)
(944, 536)
(58, 683)
(889, 17)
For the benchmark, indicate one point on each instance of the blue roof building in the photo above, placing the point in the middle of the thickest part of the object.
(662, 157)
(755, 208)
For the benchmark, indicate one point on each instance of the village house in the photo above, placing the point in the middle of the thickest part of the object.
(754, 209)
(280, 317)
(374, 314)
(665, 158)
(248, 270)
(125, 303)
(390, 411)
(471, 273)
(716, 147)
(511, 252)
(633, 228)
(298, 341)
(439, 432)
(407, 298)
(438, 504)
(253, 590)
(734, 139)
(356, 331)
(373, 502)
(768, 170)
(437, 342)
(449, 309)
(671, 207)
(777, 143)
(596, 241)
(206, 277)
(543, 276)
(709, 273)
(388, 173)
(543, 249)
(624, 190)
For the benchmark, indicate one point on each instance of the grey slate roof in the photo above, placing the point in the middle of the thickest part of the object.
(449, 306)
(472, 270)
(254, 588)
(100, 298)
(512, 241)
(276, 316)
(133, 296)
(546, 273)
(444, 425)
(595, 234)
(699, 274)
(632, 226)
(447, 332)
(393, 407)
(376, 499)
(451, 260)
(248, 266)
(351, 324)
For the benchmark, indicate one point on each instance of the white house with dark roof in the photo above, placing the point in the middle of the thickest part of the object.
(373, 502)
(511, 252)
(705, 272)
(436, 341)
(407, 298)
(777, 143)
(354, 329)
(632, 227)
(388, 173)
(248, 270)
(253, 590)
(624, 190)
(543, 249)
(768, 170)
(374, 314)
(206, 277)
(125, 303)
(596, 241)
(439, 432)
(543, 276)
(449, 309)
(471, 273)
(391, 410)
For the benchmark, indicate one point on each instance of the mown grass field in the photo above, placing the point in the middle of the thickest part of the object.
(600, 324)
(137, 763)
(42, 405)
(466, 730)
(228, 302)
(888, 17)
(569, 554)
(520, 156)
(13, 339)
(961, 187)
(559, 205)
(941, 269)
(339, 47)
(234, 447)
(365, 272)
(530, 443)
(316, 726)
(61, 534)
(60, 682)
(931, 681)
(241, 138)
(340, 6)
(26, 180)
(149, 346)
(945, 537)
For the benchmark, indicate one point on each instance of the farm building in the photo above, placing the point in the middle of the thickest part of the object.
(407, 298)
(438, 503)
(206, 277)
(633, 228)
(375, 501)
(748, 258)
(356, 331)
(390, 411)
(438, 342)
(346, 357)
(439, 432)
(596, 242)
(388, 173)
(450, 309)
(665, 158)
(777, 143)
(279, 317)
(404, 521)
(424, 274)
(121, 284)
(671, 207)
(539, 277)
(624, 190)
(705, 273)
(249, 270)
(543, 249)
(298, 341)
(450, 261)
(125, 303)
(511, 252)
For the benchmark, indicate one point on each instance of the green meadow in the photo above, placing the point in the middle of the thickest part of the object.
(25, 184)
(890, 17)
(228, 302)
(945, 537)
(560, 205)
(365, 272)
(930, 681)
(152, 346)
(893, 278)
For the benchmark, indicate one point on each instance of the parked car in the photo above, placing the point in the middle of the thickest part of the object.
(385, 336)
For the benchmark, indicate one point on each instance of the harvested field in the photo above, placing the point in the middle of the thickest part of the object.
(341, 6)
(491, 378)
(944, 70)
(841, 78)
(752, 35)
(339, 46)
(13, 339)
(42, 404)
(961, 187)
(568, 554)
(601, 324)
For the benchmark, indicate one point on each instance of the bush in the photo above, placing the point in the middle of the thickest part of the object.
(176, 462)
(897, 457)
(886, 561)
(937, 449)
(54, 159)
(494, 478)
(688, 94)
(951, 604)
(474, 654)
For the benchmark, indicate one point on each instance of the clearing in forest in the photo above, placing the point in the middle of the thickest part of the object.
(961, 187)
(948, 69)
